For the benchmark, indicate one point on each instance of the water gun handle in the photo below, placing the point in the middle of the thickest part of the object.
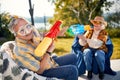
(48, 39)
(87, 27)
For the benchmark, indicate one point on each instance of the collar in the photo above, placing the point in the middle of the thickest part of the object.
(20, 40)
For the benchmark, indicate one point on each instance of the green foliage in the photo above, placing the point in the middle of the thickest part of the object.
(4, 19)
(81, 11)
(5, 34)
(77, 11)
(114, 19)
(114, 32)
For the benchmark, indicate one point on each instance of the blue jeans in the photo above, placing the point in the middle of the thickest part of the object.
(66, 69)
(99, 55)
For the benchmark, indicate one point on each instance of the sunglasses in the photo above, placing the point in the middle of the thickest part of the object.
(97, 22)
(25, 30)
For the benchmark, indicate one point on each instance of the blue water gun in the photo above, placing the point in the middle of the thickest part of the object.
(77, 29)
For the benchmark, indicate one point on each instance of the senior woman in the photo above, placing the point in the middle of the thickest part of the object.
(27, 39)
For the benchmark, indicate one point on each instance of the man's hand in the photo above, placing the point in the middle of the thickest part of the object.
(82, 37)
(61, 33)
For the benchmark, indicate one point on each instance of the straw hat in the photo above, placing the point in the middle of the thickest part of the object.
(98, 19)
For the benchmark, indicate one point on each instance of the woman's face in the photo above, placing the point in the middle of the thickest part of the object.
(24, 30)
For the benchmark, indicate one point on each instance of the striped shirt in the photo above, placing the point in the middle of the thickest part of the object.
(24, 53)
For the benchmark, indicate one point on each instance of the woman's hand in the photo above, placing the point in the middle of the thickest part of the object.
(44, 64)
(51, 47)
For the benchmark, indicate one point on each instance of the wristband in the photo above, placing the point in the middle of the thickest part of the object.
(48, 52)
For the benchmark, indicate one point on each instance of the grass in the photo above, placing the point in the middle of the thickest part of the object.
(63, 46)
(116, 50)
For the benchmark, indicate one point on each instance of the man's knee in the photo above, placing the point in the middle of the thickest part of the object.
(100, 54)
(87, 53)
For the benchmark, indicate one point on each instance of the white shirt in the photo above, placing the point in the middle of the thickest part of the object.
(93, 42)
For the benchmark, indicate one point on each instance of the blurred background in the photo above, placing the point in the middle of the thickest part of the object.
(45, 12)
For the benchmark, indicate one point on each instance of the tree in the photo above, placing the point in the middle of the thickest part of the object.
(114, 20)
(5, 34)
(77, 11)
(114, 17)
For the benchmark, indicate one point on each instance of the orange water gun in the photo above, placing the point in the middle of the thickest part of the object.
(48, 39)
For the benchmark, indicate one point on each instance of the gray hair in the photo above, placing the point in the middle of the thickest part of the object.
(13, 22)
(11, 25)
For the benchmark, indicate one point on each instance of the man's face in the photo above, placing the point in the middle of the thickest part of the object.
(24, 30)
(97, 25)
